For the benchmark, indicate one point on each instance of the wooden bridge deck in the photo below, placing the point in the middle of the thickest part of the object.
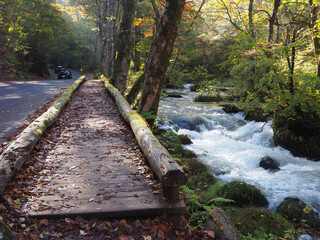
(90, 165)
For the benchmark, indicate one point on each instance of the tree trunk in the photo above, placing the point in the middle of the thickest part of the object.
(137, 51)
(273, 19)
(250, 15)
(107, 19)
(292, 65)
(159, 56)
(122, 64)
(132, 95)
(315, 33)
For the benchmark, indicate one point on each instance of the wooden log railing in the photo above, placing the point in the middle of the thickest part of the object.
(166, 169)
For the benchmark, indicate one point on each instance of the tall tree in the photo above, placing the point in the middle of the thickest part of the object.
(106, 23)
(159, 56)
(122, 64)
(272, 20)
(250, 16)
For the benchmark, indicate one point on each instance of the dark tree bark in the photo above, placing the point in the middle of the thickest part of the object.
(272, 19)
(157, 13)
(107, 17)
(122, 64)
(291, 62)
(250, 15)
(132, 95)
(137, 51)
(159, 56)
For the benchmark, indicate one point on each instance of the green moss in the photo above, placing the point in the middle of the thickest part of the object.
(297, 211)
(243, 194)
(207, 98)
(6, 233)
(136, 116)
(257, 222)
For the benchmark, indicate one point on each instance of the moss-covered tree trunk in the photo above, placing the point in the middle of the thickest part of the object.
(159, 56)
(121, 67)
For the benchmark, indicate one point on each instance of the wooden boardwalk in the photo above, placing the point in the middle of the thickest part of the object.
(90, 165)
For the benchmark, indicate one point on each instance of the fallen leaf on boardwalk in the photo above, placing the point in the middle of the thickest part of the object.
(136, 195)
(122, 146)
(161, 234)
(43, 222)
(123, 237)
(210, 234)
(73, 167)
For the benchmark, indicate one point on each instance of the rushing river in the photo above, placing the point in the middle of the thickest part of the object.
(233, 148)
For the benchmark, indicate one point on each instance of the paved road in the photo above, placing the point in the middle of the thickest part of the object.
(18, 99)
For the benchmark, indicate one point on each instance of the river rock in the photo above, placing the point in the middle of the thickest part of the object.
(174, 95)
(229, 108)
(221, 225)
(293, 209)
(269, 164)
(185, 139)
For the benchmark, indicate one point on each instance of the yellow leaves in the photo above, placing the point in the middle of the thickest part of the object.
(148, 34)
(74, 12)
(138, 22)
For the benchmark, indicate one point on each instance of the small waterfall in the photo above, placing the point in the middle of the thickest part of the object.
(233, 148)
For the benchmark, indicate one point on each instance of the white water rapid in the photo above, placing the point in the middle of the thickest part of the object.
(233, 148)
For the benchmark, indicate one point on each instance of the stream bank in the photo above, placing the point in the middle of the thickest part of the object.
(232, 147)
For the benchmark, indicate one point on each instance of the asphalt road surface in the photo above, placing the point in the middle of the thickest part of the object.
(19, 98)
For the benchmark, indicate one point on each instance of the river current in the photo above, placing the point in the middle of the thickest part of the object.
(233, 148)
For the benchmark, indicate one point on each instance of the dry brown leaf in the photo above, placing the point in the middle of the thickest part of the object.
(43, 222)
(210, 234)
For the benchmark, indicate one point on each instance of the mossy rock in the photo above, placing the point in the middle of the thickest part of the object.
(252, 220)
(206, 98)
(243, 194)
(296, 210)
(174, 95)
(298, 143)
(5, 232)
(199, 174)
(185, 139)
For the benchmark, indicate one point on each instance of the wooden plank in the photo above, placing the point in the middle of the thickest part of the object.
(95, 176)
(125, 207)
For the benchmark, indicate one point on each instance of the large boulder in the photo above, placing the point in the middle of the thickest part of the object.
(296, 210)
(301, 137)
(185, 139)
(243, 194)
(269, 164)
(229, 108)
(223, 228)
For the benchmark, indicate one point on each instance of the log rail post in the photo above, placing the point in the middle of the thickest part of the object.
(166, 169)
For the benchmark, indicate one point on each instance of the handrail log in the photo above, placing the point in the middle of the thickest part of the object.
(166, 169)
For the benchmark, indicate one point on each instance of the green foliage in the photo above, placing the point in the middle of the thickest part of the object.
(242, 194)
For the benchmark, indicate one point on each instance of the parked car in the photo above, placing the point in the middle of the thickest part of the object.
(50, 66)
(57, 69)
(65, 74)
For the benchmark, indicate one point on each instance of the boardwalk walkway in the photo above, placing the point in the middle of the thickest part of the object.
(90, 165)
